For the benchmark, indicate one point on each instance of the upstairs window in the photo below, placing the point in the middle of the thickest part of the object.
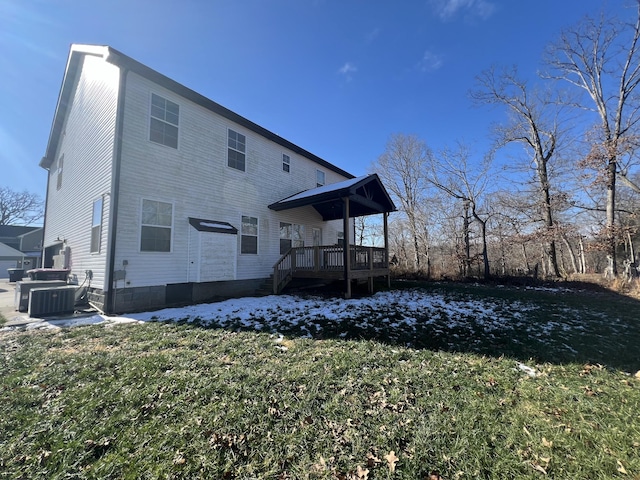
(59, 172)
(236, 153)
(156, 225)
(165, 116)
(249, 238)
(319, 178)
(286, 163)
(96, 226)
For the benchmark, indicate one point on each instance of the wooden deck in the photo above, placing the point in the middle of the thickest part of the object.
(328, 262)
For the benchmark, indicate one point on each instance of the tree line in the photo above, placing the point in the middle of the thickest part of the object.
(566, 201)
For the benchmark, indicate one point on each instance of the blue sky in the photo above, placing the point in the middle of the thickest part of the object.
(336, 77)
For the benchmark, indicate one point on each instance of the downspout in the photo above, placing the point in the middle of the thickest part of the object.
(44, 222)
(109, 305)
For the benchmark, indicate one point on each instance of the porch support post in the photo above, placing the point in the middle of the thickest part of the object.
(385, 216)
(347, 247)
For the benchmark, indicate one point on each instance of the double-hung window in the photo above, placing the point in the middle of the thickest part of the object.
(286, 163)
(236, 151)
(165, 117)
(96, 225)
(320, 180)
(156, 226)
(291, 235)
(249, 237)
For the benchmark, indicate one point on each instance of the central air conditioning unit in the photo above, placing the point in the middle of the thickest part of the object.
(44, 302)
(21, 301)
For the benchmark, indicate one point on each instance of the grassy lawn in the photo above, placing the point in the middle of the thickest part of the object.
(484, 383)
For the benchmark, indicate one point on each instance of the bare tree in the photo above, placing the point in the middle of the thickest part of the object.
(19, 208)
(601, 57)
(401, 167)
(367, 231)
(534, 124)
(452, 173)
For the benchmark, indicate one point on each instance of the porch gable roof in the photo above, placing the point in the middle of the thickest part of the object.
(367, 196)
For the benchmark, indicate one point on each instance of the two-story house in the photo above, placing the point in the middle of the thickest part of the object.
(158, 195)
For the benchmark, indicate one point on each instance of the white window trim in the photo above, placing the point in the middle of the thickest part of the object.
(151, 94)
(93, 205)
(140, 225)
(324, 176)
(257, 235)
(294, 227)
(288, 162)
(227, 147)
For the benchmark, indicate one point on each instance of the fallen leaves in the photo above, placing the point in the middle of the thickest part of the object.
(621, 468)
(391, 459)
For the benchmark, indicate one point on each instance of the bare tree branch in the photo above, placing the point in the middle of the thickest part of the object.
(19, 208)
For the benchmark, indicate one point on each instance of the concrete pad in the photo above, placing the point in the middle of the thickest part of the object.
(7, 305)
(22, 319)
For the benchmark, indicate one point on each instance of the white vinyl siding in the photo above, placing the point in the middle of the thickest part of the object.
(198, 182)
(87, 142)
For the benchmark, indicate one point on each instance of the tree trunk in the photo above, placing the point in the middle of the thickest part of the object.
(467, 246)
(572, 254)
(611, 219)
(526, 258)
(547, 214)
(414, 233)
(583, 260)
(485, 258)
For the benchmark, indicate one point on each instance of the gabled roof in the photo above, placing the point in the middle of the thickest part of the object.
(367, 196)
(8, 253)
(121, 60)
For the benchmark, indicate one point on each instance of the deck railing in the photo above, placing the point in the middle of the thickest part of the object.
(325, 259)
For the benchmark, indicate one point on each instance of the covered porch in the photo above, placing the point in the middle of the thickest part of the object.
(343, 200)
